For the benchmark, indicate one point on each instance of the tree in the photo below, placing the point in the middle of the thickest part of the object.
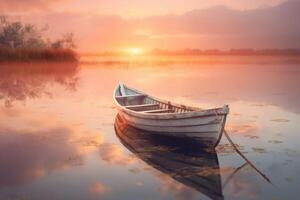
(66, 42)
(20, 35)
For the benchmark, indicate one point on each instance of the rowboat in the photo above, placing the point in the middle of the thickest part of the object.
(195, 167)
(149, 113)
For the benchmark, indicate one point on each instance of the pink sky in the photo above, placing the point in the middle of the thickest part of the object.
(142, 8)
(128, 8)
(118, 24)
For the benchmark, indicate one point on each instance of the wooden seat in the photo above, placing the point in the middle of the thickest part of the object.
(129, 96)
(143, 107)
(157, 111)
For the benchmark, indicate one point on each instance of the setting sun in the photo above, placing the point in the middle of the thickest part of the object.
(135, 51)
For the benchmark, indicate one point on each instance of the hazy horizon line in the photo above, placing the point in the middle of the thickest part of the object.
(200, 51)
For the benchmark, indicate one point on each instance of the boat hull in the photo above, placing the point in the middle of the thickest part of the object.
(207, 129)
(158, 116)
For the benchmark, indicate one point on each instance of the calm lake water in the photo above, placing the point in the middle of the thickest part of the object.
(58, 141)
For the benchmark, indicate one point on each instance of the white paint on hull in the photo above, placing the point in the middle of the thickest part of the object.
(174, 122)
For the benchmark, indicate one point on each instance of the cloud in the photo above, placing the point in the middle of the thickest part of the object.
(16, 85)
(215, 27)
(99, 189)
(244, 186)
(222, 27)
(26, 5)
(249, 128)
(169, 186)
(113, 154)
(28, 153)
(142, 8)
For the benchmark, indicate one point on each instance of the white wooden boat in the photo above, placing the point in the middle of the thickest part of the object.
(188, 164)
(149, 113)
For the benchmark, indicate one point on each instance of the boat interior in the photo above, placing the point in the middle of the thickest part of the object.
(139, 102)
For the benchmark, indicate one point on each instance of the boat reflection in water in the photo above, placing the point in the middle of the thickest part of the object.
(187, 162)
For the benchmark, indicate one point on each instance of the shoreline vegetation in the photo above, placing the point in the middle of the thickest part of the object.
(26, 42)
(43, 54)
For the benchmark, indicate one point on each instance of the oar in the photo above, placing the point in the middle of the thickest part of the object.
(244, 157)
(233, 173)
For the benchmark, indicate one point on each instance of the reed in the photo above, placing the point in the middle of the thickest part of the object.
(44, 54)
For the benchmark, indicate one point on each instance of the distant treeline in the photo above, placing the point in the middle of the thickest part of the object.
(199, 52)
(227, 52)
(26, 42)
